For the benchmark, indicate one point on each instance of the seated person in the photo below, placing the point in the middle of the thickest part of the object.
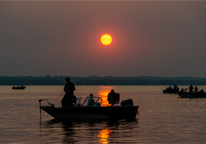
(110, 96)
(201, 90)
(182, 90)
(91, 100)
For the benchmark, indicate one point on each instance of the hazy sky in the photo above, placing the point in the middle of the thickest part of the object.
(150, 38)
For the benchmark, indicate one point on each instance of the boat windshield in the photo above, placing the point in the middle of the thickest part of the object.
(92, 101)
(78, 101)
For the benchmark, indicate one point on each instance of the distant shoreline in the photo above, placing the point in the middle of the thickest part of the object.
(96, 80)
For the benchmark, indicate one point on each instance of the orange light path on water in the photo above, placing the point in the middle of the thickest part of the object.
(103, 93)
(104, 135)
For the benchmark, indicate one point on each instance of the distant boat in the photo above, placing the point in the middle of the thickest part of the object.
(19, 87)
(171, 90)
(192, 94)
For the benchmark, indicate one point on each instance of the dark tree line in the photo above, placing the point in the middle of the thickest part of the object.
(95, 80)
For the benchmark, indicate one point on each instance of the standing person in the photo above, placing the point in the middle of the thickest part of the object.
(176, 87)
(196, 89)
(191, 88)
(69, 89)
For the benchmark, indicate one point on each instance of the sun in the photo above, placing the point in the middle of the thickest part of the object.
(106, 39)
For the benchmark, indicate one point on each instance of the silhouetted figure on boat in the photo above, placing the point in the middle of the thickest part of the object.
(181, 90)
(196, 89)
(69, 89)
(110, 96)
(201, 90)
(91, 100)
(169, 88)
(113, 97)
(191, 88)
(176, 87)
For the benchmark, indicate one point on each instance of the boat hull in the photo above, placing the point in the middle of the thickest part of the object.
(21, 88)
(192, 94)
(83, 113)
(171, 91)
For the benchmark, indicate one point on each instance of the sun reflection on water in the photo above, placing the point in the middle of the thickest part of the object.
(104, 135)
(103, 93)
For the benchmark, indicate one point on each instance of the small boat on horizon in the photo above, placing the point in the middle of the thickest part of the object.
(200, 94)
(171, 90)
(19, 87)
(94, 111)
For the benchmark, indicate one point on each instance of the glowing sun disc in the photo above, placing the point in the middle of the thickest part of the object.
(106, 39)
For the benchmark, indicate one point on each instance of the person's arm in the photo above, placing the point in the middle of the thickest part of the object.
(64, 88)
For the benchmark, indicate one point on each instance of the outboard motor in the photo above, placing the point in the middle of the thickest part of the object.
(127, 102)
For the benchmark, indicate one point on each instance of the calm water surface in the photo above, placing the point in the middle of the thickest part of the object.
(163, 118)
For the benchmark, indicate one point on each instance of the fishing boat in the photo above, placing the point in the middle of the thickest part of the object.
(88, 111)
(171, 90)
(192, 94)
(19, 87)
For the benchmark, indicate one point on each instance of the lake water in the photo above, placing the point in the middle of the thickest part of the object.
(163, 118)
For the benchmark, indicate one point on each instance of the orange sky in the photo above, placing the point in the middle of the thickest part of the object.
(63, 38)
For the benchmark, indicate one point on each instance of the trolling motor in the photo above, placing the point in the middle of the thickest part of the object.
(40, 107)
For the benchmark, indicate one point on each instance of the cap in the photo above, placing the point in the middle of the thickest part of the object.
(67, 78)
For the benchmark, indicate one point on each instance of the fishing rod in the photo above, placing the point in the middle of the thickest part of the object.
(57, 97)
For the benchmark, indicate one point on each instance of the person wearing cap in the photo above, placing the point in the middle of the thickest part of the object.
(69, 89)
